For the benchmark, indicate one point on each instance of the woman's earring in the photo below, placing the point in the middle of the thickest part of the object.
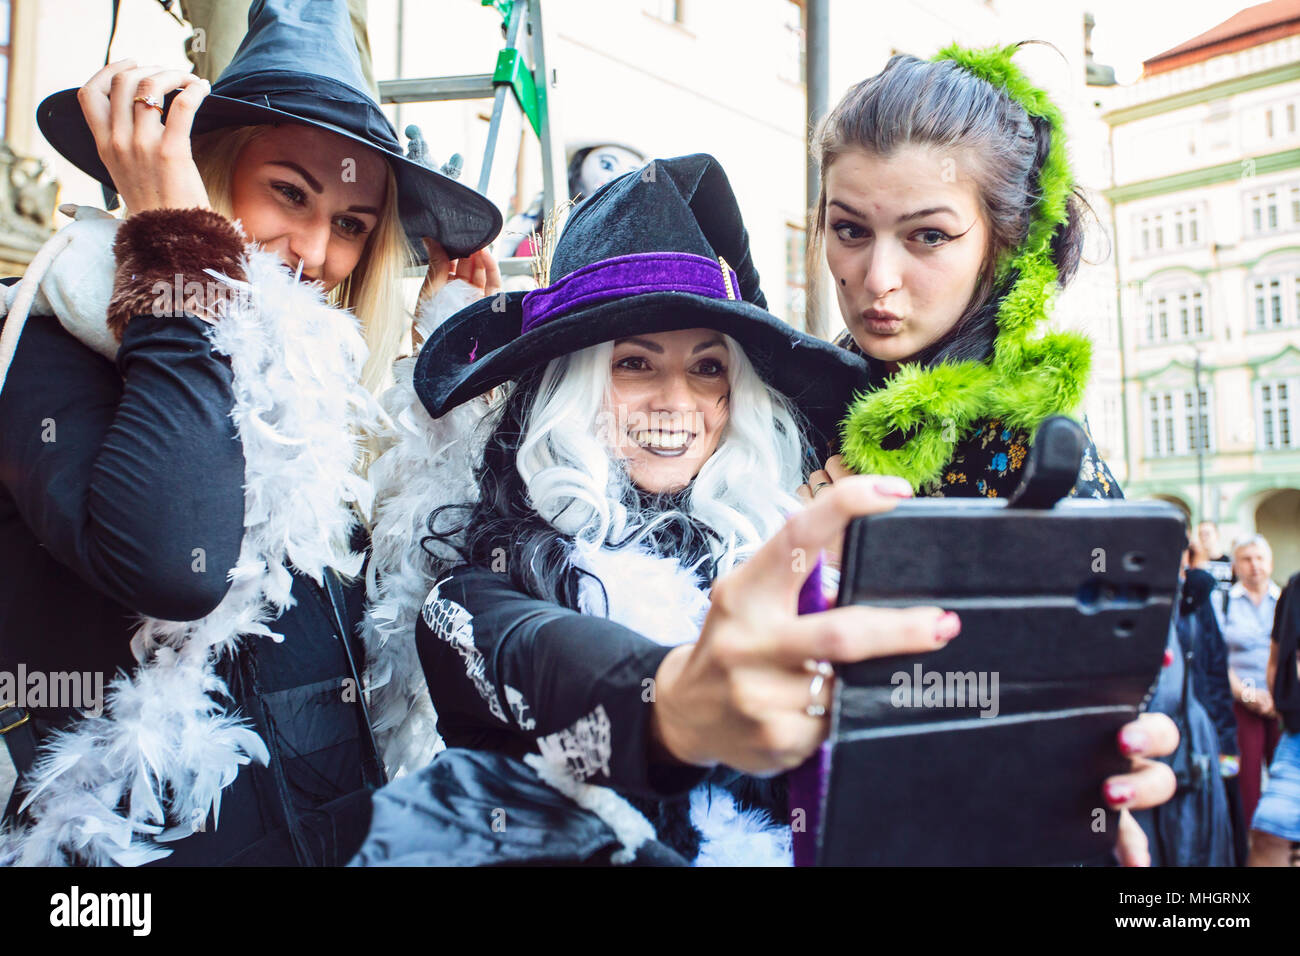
(842, 282)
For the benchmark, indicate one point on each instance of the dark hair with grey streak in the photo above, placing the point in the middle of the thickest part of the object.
(941, 104)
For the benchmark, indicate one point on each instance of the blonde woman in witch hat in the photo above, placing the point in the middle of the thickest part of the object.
(179, 512)
(948, 218)
(614, 548)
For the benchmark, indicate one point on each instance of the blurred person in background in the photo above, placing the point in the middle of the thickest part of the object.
(1245, 613)
(1206, 654)
(1214, 560)
(1275, 829)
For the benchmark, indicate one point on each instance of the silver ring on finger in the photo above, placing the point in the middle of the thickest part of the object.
(821, 670)
(819, 486)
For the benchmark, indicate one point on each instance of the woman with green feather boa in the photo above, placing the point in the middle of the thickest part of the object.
(948, 219)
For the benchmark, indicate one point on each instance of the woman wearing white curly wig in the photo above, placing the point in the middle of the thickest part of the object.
(181, 509)
(611, 643)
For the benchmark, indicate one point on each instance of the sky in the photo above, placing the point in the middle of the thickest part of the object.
(1129, 31)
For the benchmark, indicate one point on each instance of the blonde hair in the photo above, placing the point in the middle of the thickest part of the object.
(373, 290)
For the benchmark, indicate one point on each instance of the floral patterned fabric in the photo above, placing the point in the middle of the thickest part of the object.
(988, 463)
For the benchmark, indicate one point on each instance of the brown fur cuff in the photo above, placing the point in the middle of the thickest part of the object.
(161, 258)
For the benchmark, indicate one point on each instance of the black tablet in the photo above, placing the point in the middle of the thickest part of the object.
(993, 749)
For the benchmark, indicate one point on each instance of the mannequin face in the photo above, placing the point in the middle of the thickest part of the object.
(667, 404)
(308, 194)
(606, 163)
(905, 241)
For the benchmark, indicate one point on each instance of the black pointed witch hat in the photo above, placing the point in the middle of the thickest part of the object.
(299, 64)
(658, 249)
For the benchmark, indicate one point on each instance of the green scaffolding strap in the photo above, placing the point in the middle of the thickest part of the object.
(512, 69)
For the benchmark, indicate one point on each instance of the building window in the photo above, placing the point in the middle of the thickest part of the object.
(1275, 301)
(670, 11)
(1275, 413)
(1188, 312)
(1184, 229)
(1178, 421)
(1273, 209)
(1196, 416)
(1161, 421)
(796, 284)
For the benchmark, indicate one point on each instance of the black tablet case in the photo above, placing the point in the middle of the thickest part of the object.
(1071, 606)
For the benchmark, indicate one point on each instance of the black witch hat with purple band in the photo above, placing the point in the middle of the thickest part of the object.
(298, 64)
(655, 250)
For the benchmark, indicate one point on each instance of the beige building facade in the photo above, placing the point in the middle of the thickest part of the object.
(1206, 200)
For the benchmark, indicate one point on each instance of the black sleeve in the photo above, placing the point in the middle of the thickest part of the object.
(576, 688)
(1218, 696)
(132, 475)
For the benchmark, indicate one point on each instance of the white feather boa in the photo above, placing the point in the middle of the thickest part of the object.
(431, 463)
(427, 463)
(151, 768)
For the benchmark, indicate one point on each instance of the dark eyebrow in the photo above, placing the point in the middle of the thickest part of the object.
(847, 208)
(659, 350)
(311, 180)
(919, 214)
(644, 343)
(364, 209)
(922, 213)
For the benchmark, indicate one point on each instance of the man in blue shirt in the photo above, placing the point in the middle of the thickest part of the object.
(1246, 619)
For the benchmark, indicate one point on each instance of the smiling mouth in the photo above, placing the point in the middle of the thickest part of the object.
(662, 443)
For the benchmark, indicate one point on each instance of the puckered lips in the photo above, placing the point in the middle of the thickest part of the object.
(880, 322)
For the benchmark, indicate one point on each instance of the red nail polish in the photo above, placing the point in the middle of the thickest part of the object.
(1169, 657)
(947, 627)
(1132, 741)
(1118, 794)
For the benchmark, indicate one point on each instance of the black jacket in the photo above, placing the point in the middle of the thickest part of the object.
(1286, 635)
(1194, 827)
(514, 675)
(121, 494)
(1202, 644)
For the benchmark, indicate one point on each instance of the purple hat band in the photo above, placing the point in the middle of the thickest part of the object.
(634, 274)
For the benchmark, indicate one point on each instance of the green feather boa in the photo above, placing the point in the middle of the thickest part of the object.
(1028, 377)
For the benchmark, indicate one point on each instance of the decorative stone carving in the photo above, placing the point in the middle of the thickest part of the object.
(28, 197)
